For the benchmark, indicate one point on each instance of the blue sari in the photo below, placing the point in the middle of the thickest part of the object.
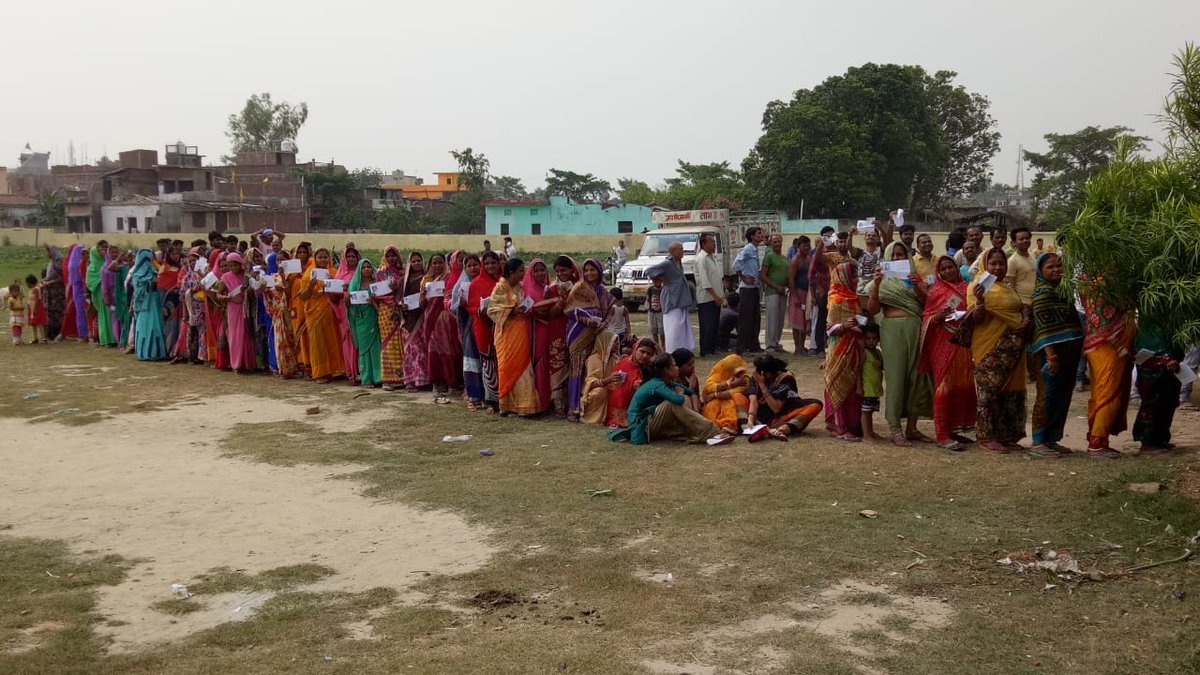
(150, 343)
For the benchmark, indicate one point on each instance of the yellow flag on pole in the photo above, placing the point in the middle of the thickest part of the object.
(233, 175)
(241, 195)
(266, 179)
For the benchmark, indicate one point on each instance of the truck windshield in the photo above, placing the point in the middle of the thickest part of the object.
(657, 244)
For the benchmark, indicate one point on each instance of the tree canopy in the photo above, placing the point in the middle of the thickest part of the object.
(1061, 172)
(263, 124)
(581, 187)
(878, 137)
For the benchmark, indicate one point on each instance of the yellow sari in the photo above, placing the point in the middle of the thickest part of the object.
(725, 412)
(599, 365)
(514, 355)
(322, 338)
(998, 350)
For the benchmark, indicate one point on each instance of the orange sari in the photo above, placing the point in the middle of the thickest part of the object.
(725, 412)
(514, 356)
(323, 341)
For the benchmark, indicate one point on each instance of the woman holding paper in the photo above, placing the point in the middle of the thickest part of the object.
(566, 274)
(96, 259)
(364, 326)
(187, 347)
(286, 363)
(1056, 350)
(303, 255)
(150, 345)
(238, 299)
(168, 291)
(214, 287)
(390, 275)
(1158, 387)
(338, 303)
(509, 312)
(844, 358)
(321, 331)
(542, 314)
(628, 372)
(1108, 344)
(949, 364)
(439, 331)
(478, 297)
(586, 308)
(908, 393)
(999, 325)
(416, 350)
(471, 366)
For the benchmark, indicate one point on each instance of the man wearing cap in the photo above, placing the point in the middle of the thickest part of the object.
(263, 239)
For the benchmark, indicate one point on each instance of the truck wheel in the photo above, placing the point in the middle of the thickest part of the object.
(632, 306)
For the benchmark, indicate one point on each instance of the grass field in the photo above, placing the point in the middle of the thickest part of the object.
(772, 568)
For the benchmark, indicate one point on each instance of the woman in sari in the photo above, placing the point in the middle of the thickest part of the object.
(321, 331)
(844, 356)
(775, 400)
(416, 350)
(724, 393)
(96, 258)
(147, 307)
(391, 341)
(1108, 344)
(347, 268)
(537, 280)
(949, 364)
(303, 253)
(629, 377)
(908, 394)
(216, 313)
(287, 364)
(119, 271)
(439, 331)
(1158, 388)
(238, 298)
(1056, 350)
(478, 297)
(191, 327)
(600, 377)
(108, 286)
(566, 274)
(75, 325)
(364, 326)
(168, 291)
(999, 323)
(514, 360)
(586, 308)
(54, 292)
(659, 410)
(471, 366)
(264, 343)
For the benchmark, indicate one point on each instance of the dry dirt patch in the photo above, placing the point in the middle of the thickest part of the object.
(178, 509)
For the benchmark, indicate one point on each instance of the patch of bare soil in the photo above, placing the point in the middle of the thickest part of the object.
(179, 509)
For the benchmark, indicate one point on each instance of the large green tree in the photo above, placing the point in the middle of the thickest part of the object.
(331, 190)
(878, 137)
(632, 191)
(465, 213)
(1061, 172)
(703, 186)
(474, 170)
(509, 187)
(263, 124)
(580, 187)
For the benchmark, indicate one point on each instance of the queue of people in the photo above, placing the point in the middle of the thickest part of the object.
(902, 333)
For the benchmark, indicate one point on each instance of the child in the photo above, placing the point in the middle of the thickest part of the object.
(727, 322)
(654, 313)
(872, 381)
(36, 311)
(16, 311)
(618, 322)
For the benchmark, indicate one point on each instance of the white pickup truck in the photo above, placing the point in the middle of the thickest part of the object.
(686, 227)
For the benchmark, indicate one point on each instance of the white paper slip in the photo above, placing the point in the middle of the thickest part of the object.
(750, 431)
(335, 286)
(527, 303)
(201, 265)
(896, 269)
(862, 320)
(381, 288)
(360, 297)
(956, 316)
(865, 226)
(320, 273)
(689, 247)
(290, 267)
(269, 281)
(1142, 356)
(930, 279)
(954, 302)
(413, 301)
(1186, 375)
(208, 280)
(435, 289)
(899, 218)
(236, 291)
(986, 280)
(483, 304)
(255, 283)
(715, 441)
(258, 268)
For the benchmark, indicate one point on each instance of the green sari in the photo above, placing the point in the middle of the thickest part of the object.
(908, 393)
(104, 331)
(121, 303)
(364, 328)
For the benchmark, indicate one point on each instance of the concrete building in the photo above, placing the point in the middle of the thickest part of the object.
(15, 210)
(560, 215)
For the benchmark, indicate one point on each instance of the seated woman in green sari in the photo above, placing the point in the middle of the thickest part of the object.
(658, 411)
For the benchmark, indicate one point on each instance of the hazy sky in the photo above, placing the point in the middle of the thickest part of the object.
(617, 88)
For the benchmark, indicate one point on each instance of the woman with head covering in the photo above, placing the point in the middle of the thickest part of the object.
(999, 324)
(364, 326)
(321, 331)
(216, 313)
(1056, 350)
(775, 400)
(191, 313)
(509, 313)
(416, 350)
(238, 299)
(536, 283)
(949, 364)
(586, 308)
(600, 378)
(303, 253)
(277, 298)
(907, 392)
(471, 366)
(844, 356)
(439, 331)
(77, 297)
(54, 292)
(391, 339)
(478, 297)
(346, 270)
(108, 284)
(168, 293)
(724, 393)
(566, 274)
(264, 327)
(1108, 344)
(1158, 388)
(122, 271)
(659, 411)
(628, 372)
(147, 307)
(96, 259)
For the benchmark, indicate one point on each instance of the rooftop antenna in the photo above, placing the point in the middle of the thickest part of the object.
(1020, 168)
(71, 151)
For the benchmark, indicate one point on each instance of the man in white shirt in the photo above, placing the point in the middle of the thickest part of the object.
(710, 290)
(621, 253)
(510, 250)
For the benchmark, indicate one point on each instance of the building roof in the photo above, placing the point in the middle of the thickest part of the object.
(18, 201)
(505, 202)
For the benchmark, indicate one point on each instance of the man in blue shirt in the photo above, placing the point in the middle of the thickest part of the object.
(747, 266)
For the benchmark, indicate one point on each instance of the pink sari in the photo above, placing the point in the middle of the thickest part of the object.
(349, 352)
(241, 342)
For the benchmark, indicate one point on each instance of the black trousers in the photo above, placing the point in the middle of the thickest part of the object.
(749, 320)
(819, 337)
(710, 325)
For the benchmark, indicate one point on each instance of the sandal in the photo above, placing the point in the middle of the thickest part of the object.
(778, 434)
(472, 406)
(441, 399)
(918, 437)
(1103, 454)
(1043, 452)
(952, 446)
(849, 438)
(993, 446)
(1153, 451)
(1062, 449)
(721, 439)
(962, 439)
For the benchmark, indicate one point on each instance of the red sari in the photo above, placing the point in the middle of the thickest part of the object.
(540, 319)
(953, 370)
(349, 353)
(621, 395)
(69, 326)
(439, 332)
